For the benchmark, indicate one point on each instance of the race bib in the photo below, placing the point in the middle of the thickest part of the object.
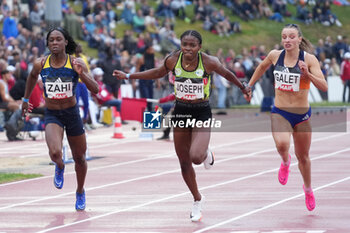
(286, 81)
(59, 89)
(188, 90)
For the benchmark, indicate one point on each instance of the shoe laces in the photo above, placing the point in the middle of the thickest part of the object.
(80, 196)
(196, 208)
(284, 168)
(59, 171)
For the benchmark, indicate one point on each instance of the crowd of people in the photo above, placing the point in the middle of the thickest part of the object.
(152, 31)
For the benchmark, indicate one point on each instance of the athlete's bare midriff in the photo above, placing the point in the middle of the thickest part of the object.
(192, 101)
(59, 104)
(294, 102)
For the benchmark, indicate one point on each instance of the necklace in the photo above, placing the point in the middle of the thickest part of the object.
(187, 65)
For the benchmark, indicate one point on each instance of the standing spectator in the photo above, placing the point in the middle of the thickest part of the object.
(146, 62)
(345, 74)
(82, 90)
(108, 65)
(9, 26)
(35, 17)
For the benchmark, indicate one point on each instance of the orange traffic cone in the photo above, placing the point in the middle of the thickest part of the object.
(117, 127)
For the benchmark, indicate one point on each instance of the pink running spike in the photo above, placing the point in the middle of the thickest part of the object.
(309, 200)
(284, 172)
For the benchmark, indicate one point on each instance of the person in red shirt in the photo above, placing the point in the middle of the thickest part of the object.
(104, 97)
(345, 74)
(37, 98)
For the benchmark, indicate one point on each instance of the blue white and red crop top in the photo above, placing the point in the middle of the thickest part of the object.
(59, 83)
(288, 78)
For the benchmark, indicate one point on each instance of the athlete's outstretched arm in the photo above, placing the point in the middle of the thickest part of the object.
(263, 67)
(154, 73)
(213, 64)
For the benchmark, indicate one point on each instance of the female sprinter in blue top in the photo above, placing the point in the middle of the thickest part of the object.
(294, 68)
(192, 70)
(60, 73)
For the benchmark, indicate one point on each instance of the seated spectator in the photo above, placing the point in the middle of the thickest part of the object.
(138, 22)
(6, 101)
(248, 9)
(178, 7)
(127, 14)
(199, 11)
(238, 10)
(220, 23)
(303, 14)
(328, 17)
(152, 25)
(164, 10)
(104, 97)
(317, 12)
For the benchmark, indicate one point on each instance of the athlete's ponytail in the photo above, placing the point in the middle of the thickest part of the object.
(71, 46)
(305, 44)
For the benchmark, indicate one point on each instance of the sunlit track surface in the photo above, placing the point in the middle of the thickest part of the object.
(135, 185)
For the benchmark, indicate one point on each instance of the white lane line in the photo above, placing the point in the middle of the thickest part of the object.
(204, 188)
(268, 206)
(150, 158)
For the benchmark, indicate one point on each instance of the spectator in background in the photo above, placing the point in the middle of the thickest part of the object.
(82, 90)
(146, 62)
(178, 7)
(104, 97)
(138, 21)
(303, 14)
(199, 11)
(328, 17)
(345, 75)
(339, 49)
(35, 18)
(6, 101)
(164, 10)
(108, 64)
(26, 21)
(72, 24)
(37, 98)
(9, 26)
(152, 26)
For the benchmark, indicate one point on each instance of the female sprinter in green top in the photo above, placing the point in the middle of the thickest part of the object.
(192, 70)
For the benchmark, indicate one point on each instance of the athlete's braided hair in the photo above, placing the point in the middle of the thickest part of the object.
(71, 46)
(192, 33)
(305, 44)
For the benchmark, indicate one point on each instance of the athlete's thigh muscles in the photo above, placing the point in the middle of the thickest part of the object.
(54, 136)
(77, 145)
(182, 141)
(200, 140)
(281, 129)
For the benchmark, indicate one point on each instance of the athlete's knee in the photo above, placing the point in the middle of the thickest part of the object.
(186, 166)
(197, 156)
(55, 153)
(303, 159)
(282, 147)
(79, 160)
